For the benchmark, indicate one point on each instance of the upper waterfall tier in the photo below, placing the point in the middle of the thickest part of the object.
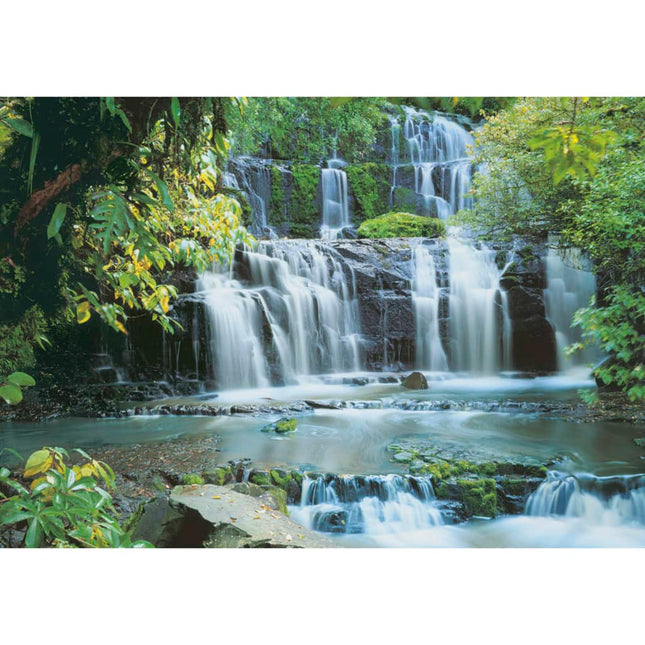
(419, 164)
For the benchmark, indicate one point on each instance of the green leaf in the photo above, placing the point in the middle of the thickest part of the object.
(163, 191)
(34, 535)
(12, 394)
(175, 108)
(57, 220)
(21, 379)
(337, 101)
(13, 516)
(20, 126)
(35, 142)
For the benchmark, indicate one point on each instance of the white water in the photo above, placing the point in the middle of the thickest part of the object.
(437, 147)
(298, 305)
(480, 328)
(426, 295)
(335, 208)
(605, 501)
(569, 287)
(371, 505)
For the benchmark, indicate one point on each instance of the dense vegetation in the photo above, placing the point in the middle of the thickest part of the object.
(99, 200)
(102, 200)
(576, 168)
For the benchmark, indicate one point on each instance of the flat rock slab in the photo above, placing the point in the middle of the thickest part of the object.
(243, 521)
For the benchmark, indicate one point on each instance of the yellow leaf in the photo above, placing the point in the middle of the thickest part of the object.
(216, 497)
(119, 325)
(83, 312)
(38, 462)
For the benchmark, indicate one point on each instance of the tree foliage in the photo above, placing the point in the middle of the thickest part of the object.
(101, 198)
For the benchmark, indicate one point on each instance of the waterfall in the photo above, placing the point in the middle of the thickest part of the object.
(234, 317)
(335, 209)
(294, 313)
(480, 329)
(253, 176)
(600, 500)
(370, 504)
(569, 287)
(437, 147)
(426, 295)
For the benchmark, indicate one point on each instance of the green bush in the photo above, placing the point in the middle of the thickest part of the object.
(401, 225)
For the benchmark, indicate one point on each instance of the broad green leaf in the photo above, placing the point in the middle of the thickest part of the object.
(57, 220)
(38, 462)
(12, 394)
(13, 516)
(34, 536)
(175, 108)
(20, 126)
(163, 191)
(21, 379)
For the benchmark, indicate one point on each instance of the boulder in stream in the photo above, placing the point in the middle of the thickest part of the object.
(416, 381)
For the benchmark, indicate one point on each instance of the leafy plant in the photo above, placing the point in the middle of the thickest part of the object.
(11, 389)
(64, 506)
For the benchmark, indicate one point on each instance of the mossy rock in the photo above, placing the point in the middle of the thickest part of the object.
(401, 225)
(261, 478)
(277, 205)
(282, 426)
(219, 476)
(369, 184)
(192, 479)
(280, 478)
(304, 198)
(479, 496)
(405, 200)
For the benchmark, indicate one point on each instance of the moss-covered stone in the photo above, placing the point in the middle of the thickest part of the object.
(305, 215)
(401, 225)
(219, 476)
(479, 496)
(260, 478)
(282, 426)
(404, 199)
(192, 479)
(280, 478)
(369, 184)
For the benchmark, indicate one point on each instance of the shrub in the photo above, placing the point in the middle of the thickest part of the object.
(401, 225)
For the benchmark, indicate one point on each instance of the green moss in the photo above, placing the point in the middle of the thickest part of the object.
(282, 426)
(515, 487)
(479, 496)
(297, 476)
(280, 497)
(404, 199)
(192, 479)
(17, 341)
(277, 205)
(219, 476)
(280, 478)
(401, 225)
(304, 201)
(260, 478)
(369, 184)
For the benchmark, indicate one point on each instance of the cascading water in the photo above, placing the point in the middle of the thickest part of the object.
(437, 147)
(297, 306)
(253, 176)
(335, 208)
(426, 295)
(570, 286)
(371, 504)
(598, 500)
(480, 328)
